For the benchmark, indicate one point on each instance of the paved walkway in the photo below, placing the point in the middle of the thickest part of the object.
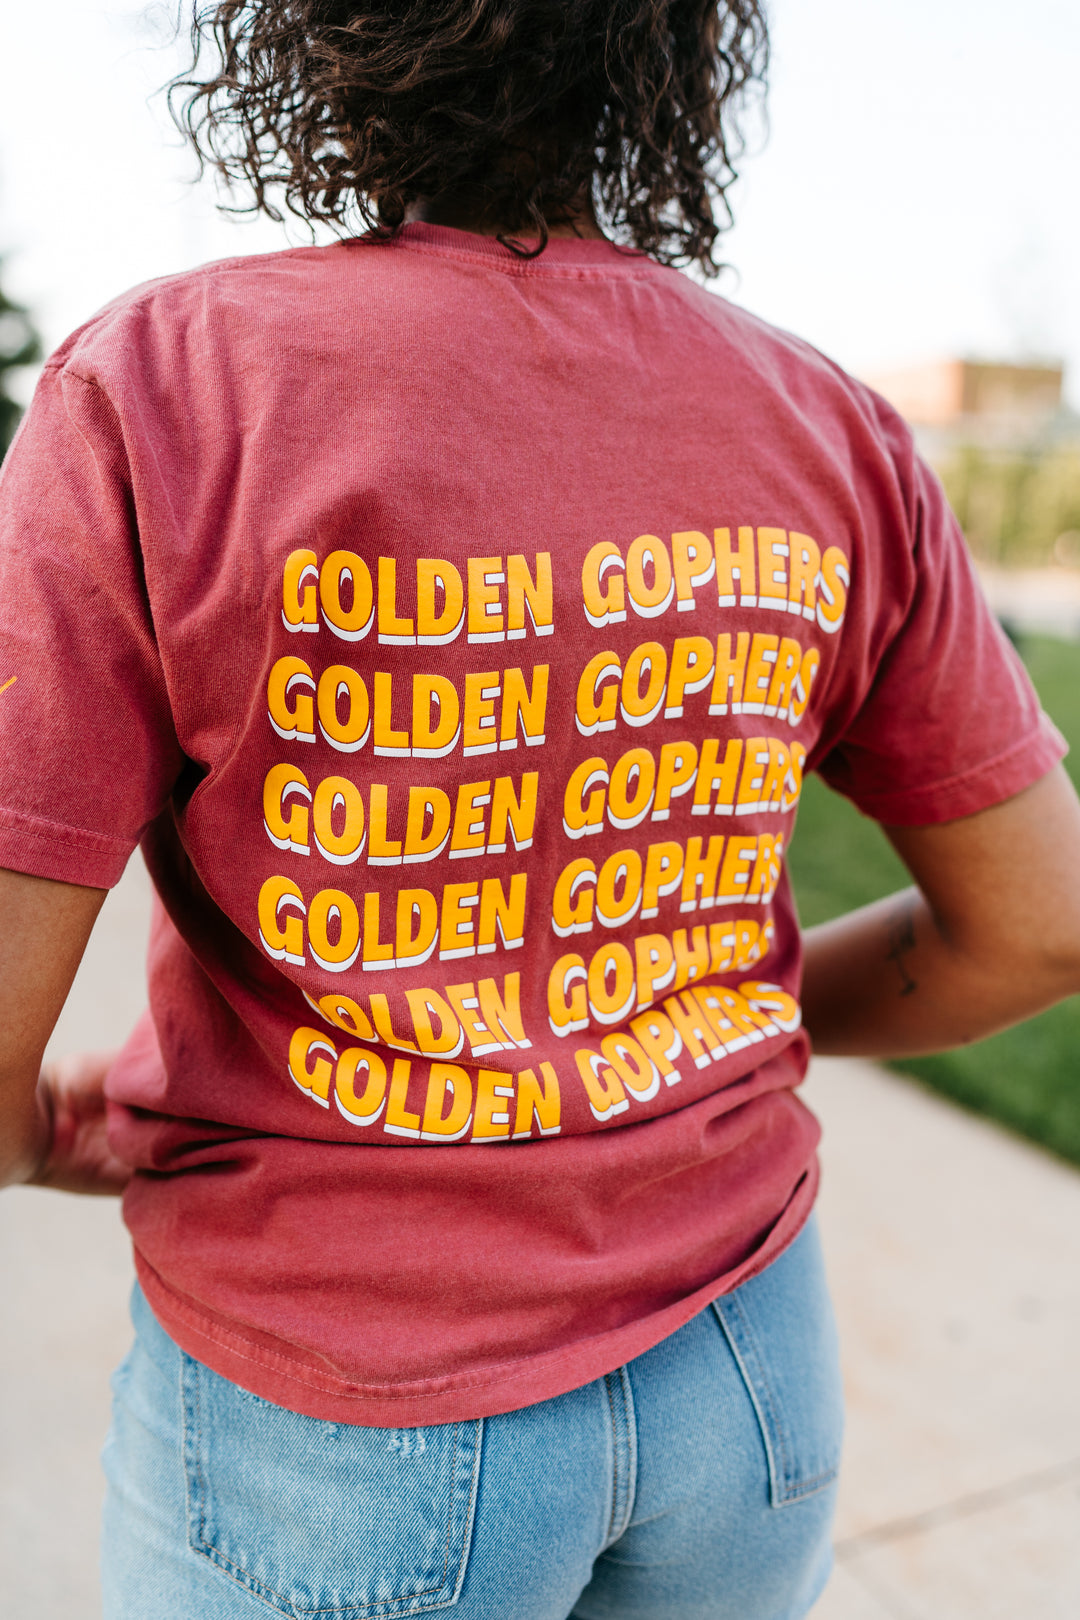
(954, 1255)
(955, 1259)
(1040, 601)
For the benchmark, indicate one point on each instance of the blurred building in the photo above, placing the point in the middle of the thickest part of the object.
(1007, 447)
(992, 404)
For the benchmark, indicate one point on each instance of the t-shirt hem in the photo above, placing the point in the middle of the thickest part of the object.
(985, 785)
(49, 849)
(282, 1375)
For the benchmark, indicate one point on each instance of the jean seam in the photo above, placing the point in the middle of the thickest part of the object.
(784, 1488)
(624, 1442)
(630, 1421)
(278, 1600)
(614, 1461)
(776, 1409)
(748, 1358)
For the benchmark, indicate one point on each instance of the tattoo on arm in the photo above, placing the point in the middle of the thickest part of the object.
(901, 935)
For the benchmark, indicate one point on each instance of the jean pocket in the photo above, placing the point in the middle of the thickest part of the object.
(782, 1333)
(327, 1521)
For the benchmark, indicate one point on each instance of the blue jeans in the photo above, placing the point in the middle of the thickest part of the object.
(697, 1481)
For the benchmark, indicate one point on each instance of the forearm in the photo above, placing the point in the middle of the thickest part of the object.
(46, 926)
(889, 981)
(25, 1128)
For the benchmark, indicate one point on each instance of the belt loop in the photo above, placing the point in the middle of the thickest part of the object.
(624, 1452)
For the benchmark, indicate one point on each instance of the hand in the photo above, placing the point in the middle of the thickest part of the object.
(71, 1105)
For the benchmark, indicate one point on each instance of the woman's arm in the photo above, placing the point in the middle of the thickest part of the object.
(990, 936)
(52, 1123)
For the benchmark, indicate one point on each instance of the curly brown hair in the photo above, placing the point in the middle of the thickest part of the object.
(529, 109)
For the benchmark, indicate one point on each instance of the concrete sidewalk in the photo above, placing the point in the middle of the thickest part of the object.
(954, 1256)
(955, 1261)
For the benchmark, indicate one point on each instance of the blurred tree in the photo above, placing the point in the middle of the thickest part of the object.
(1017, 508)
(19, 346)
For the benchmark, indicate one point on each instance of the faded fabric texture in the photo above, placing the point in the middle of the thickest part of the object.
(454, 632)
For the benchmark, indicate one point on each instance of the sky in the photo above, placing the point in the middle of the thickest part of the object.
(917, 193)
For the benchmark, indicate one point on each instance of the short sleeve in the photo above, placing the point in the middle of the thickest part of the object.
(88, 752)
(950, 723)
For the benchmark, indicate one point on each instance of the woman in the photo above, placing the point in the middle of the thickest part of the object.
(452, 613)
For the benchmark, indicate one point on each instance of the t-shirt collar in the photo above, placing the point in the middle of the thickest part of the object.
(559, 252)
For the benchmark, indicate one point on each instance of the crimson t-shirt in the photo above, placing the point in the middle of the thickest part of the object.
(456, 631)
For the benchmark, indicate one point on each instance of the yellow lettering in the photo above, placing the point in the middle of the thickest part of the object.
(604, 604)
(603, 1089)
(493, 1097)
(392, 630)
(352, 623)
(804, 562)
(611, 983)
(481, 692)
(692, 662)
(444, 1079)
(399, 1120)
(376, 954)
(365, 1108)
(524, 708)
(739, 564)
(714, 777)
(417, 927)
(623, 867)
(384, 851)
(331, 910)
(835, 584)
(700, 874)
(730, 673)
(649, 663)
(539, 1101)
(522, 593)
(312, 1078)
(298, 610)
(336, 794)
(759, 672)
(567, 977)
(291, 680)
(772, 573)
(283, 944)
(663, 873)
(486, 575)
(573, 899)
(694, 564)
(387, 740)
(421, 845)
(504, 1016)
(509, 811)
(630, 795)
(595, 708)
(291, 833)
(435, 627)
(502, 915)
(469, 826)
(649, 601)
(434, 742)
(457, 936)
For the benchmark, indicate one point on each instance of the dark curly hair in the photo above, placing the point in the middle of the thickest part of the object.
(529, 109)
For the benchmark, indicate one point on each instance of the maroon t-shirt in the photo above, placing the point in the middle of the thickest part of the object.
(455, 631)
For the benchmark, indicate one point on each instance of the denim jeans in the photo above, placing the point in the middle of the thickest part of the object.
(697, 1481)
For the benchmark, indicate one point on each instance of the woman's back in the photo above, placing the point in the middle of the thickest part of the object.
(477, 618)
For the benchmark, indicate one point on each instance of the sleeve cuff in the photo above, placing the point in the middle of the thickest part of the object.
(48, 849)
(979, 788)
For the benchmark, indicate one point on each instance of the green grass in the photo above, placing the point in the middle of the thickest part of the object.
(1028, 1078)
